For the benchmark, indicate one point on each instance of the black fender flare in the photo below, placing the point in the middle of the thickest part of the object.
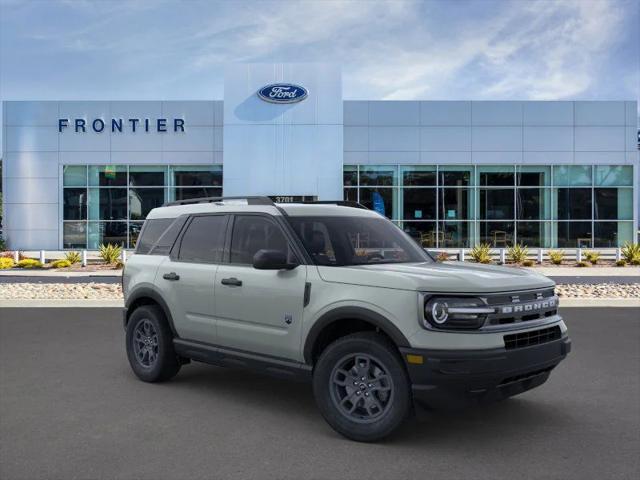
(358, 313)
(148, 292)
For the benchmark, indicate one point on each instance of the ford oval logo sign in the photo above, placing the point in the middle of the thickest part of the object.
(283, 93)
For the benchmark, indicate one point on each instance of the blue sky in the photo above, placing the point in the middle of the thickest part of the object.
(154, 49)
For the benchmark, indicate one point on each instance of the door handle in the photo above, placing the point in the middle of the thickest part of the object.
(171, 276)
(233, 282)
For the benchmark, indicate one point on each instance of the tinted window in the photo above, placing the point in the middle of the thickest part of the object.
(168, 238)
(252, 233)
(203, 241)
(151, 233)
(339, 241)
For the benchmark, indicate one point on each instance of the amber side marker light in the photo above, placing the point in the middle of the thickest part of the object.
(415, 359)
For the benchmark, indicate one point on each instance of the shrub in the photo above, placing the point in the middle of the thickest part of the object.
(556, 256)
(442, 257)
(592, 257)
(73, 257)
(62, 263)
(110, 253)
(29, 263)
(6, 263)
(517, 253)
(635, 262)
(582, 263)
(528, 263)
(481, 253)
(631, 252)
(621, 263)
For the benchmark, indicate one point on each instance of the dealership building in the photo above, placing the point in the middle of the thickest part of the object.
(450, 173)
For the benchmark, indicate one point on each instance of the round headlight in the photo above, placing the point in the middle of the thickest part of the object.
(439, 312)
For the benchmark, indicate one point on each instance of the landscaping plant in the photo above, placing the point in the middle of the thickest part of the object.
(73, 257)
(592, 257)
(110, 253)
(621, 263)
(528, 263)
(62, 263)
(481, 253)
(6, 263)
(29, 263)
(631, 253)
(582, 263)
(556, 256)
(517, 253)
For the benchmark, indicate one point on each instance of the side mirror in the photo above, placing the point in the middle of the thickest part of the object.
(272, 260)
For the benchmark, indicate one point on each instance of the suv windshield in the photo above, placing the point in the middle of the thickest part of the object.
(344, 241)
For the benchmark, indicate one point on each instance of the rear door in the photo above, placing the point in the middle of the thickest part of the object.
(187, 276)
(259, 311)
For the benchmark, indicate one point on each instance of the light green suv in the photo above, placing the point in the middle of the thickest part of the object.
(338, 295)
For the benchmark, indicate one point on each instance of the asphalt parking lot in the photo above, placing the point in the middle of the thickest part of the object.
(71, 408)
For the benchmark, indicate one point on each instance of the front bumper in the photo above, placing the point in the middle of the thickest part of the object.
(458, 378)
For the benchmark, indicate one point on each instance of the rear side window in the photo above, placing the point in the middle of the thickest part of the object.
(203, 241)
(150, 234)
(168, 238)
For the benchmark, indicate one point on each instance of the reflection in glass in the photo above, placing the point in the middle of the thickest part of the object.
(455, 204)
(146, 175)
(188, 176)
(107, 232)
(74, 176)
(350, 176)
(419, 203)
(532, 204)
(613, 203)
(189, 193)
(350, 194)
(614, 175)
(533, 176)
(496, 175)
(572, 175)
(574, 203)
(419, 176)
(612, 234)
(107, 175)
(74, 235)
(574, 235)
(134, 233)
(385, 175)
(143, 200)
(496, 204)
(75, 204)
(107, 204)
(455, 175)
(532, 234)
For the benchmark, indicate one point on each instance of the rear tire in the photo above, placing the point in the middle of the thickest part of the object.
(150, 345)
(361, 387)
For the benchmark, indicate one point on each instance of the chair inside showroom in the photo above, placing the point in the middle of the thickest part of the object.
(499, 238)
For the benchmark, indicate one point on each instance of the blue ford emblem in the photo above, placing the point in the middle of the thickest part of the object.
(283, 93)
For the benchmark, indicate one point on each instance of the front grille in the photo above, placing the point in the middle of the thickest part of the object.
(534, 337)
(522, 306)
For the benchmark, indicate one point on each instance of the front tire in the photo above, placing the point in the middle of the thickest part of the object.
(361, 387)
(150, 345)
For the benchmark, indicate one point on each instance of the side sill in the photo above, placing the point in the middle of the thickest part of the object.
(224, 357)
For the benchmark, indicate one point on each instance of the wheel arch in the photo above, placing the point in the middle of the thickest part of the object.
(329, 321)
(148, 296)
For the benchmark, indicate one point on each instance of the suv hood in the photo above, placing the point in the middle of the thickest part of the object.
(448, 277)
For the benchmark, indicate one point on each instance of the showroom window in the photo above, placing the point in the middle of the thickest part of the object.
(451, 206)
(108, 203)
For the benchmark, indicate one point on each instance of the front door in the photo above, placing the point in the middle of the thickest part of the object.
(259, 310)
(187, 279)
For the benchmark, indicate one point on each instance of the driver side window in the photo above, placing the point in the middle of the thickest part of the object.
(252, 233)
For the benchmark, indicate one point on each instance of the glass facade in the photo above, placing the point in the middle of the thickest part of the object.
(550, 206)
(108, 203)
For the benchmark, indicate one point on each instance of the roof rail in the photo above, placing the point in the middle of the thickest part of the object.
(250, 200)
(339, 203)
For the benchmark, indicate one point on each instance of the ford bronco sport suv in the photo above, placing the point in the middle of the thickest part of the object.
(339, 295)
